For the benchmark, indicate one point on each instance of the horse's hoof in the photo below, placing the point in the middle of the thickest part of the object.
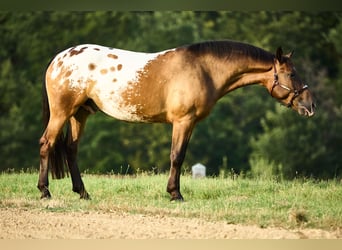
(85, 196)
(177, 199)
(44, 190)
(45, 195)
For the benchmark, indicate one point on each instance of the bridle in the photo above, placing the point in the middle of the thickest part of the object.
(295, 92)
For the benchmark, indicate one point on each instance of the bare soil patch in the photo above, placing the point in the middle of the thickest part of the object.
(24, 223)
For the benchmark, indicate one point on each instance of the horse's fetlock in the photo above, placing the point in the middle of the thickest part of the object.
(45, 191)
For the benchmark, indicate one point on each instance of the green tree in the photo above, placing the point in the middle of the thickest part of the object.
(290, 145)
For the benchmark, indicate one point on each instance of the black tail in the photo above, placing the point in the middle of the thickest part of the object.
(57, 155)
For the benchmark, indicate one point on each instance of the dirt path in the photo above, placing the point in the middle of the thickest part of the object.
(30, 224)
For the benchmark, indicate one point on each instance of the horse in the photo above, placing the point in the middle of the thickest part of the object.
(179, 86)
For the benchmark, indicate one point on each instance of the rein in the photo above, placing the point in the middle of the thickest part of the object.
(295, 92)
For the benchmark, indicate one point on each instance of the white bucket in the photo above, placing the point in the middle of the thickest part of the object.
(198, 171)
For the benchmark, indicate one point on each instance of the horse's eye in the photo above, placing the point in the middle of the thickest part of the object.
(292, 75)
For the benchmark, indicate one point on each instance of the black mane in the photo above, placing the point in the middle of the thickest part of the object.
(230, 50)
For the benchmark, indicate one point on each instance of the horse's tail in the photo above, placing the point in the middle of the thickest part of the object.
(57, 155)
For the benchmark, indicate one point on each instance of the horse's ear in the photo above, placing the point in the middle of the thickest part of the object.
(289, 55)
(279, 54)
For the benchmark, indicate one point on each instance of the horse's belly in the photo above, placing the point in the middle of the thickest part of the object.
(126, 101)
(111, 102)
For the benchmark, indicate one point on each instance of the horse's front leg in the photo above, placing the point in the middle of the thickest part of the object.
(181, 134)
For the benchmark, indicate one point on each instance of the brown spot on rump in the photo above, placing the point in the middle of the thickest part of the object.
(71, 48)
(91, 66)
(115, 80)
(68, 73)
(104, 71)
(112, 56)
(74, 52)
(96, 49)
(119, 66)
(112, 68)
(60, 63)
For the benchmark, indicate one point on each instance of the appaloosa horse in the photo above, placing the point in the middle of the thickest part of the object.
(178, 86)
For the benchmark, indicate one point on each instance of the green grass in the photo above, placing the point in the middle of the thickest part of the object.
(266, 203)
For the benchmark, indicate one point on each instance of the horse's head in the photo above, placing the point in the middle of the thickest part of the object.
(288, 88)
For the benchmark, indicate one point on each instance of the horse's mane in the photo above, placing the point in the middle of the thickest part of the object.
(230, 50)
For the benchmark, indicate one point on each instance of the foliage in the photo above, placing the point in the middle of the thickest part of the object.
(246, 127)
(306, 147)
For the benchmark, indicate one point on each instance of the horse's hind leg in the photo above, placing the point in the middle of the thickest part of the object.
(77, 123)
(47, 144)
(43, 181)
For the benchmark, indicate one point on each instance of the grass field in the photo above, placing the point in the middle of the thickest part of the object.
(266, 203)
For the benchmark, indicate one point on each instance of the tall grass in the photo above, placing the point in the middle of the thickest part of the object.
(263, 202)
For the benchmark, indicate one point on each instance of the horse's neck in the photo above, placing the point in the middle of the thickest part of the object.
(228, 76)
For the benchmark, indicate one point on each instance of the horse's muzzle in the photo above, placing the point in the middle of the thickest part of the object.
(307, 110)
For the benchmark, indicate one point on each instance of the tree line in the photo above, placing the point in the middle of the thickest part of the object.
(248, 132)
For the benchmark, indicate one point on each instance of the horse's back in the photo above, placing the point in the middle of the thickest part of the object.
(95, 62)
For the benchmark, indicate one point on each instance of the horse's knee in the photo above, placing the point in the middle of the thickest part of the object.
(44, 147)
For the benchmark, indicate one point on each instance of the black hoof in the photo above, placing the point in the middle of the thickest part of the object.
(178, 198)
(82, 192)
(85, 196)
(45, 194)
